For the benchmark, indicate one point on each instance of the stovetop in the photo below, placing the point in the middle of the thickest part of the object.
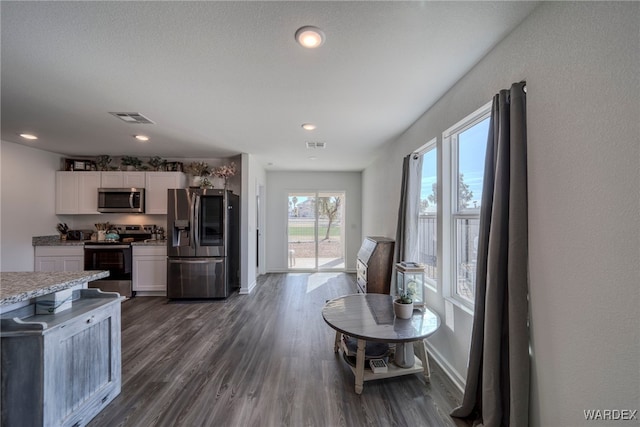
(128, 232)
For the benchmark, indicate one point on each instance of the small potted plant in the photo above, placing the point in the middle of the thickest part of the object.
(403, 306)
(225, 172)
(103, 161)
(130, 162)
(198, 172)
(157, 163)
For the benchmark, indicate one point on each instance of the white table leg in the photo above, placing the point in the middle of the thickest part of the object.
(336, 344)
(421, 352)
(360, 366)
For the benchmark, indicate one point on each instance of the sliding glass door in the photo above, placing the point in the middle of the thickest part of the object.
(316, 232)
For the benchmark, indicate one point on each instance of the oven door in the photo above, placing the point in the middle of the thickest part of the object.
(115, 258)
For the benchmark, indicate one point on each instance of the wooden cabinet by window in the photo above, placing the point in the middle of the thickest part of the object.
(59, 258)
(77, 192)
(150, 269)
(374, 265)
(61, 369)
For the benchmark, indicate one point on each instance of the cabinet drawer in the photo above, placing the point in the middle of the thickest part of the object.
(60, 250)
(362, 285)
(149, 250)
(361, 270)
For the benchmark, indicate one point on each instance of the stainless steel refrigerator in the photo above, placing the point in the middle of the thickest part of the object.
(202, 243)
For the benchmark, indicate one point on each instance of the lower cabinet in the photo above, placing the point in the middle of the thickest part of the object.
(150, 269)
(59, 258)
(61, 369)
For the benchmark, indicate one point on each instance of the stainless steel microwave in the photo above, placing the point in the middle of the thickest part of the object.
(129, 200)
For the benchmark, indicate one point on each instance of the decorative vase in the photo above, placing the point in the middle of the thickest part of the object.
(402, 311)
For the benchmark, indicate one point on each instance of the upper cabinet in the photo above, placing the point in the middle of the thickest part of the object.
(77, 192)
(156, 187)
(118, 179)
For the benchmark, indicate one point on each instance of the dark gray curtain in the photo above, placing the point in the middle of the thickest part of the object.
(497, 387)
(407, 230)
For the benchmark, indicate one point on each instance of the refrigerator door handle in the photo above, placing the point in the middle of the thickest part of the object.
(195, 261)
(192, 224)
(196, 222)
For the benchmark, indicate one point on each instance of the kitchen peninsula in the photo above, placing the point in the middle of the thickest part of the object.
(69, 357)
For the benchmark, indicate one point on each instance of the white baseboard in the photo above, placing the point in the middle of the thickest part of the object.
(151, 293)
(451, 372)
(248, 290)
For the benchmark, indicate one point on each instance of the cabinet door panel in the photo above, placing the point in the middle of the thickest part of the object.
(156, 190)
(88, 184)
(73, 264)
(66, 193)
(133, 179)
(111, 179)
(46, 264)
(149, 273)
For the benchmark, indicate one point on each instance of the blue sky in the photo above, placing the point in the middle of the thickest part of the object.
(473, 144)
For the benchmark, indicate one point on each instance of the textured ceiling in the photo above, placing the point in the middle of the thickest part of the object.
(221, 78)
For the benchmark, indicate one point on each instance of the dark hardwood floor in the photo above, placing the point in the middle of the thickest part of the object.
(264, 359)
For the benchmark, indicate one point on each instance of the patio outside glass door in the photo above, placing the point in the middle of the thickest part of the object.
(316, 232)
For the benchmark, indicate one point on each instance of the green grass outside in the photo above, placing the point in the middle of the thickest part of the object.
(308, 231)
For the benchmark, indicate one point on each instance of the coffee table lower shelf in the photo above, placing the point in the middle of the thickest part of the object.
(393, 370)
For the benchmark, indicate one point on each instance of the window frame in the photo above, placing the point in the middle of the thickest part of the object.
(430, 283)
(448, 211)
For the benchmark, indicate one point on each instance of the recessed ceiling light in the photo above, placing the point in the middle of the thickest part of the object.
(28, 136)
(308, 126)
(141, 137)
(310, 37)
(313, 158)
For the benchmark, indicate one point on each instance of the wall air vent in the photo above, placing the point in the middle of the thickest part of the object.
(315, 144)
(135, 118)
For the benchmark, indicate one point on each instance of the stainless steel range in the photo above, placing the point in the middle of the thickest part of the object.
(115, 255)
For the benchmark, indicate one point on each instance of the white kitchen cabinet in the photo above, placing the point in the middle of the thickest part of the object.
(156, 188)
(77, 192)
(59, 258)
(150, 269)
(123, 179)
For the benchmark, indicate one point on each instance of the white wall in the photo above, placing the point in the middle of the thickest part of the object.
(27, 204)
(279, 184)
(253, 178)
(581, 63)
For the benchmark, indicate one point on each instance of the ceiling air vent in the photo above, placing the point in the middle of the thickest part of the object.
(135, 118)
(315, 144)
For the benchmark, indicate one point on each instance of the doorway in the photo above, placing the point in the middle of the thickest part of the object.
(315, 230)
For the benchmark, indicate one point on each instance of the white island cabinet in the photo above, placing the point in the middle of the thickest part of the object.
(59, 258)
(156, 187)
(77, 192)
(150, 270)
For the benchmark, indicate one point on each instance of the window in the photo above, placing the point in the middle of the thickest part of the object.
(464, 147)
(428, 218)
(450, 199)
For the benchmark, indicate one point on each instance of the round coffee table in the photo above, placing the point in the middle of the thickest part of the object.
(369, 317)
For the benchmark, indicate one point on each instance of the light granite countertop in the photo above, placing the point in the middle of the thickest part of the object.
(55, 241)
(22, 286)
